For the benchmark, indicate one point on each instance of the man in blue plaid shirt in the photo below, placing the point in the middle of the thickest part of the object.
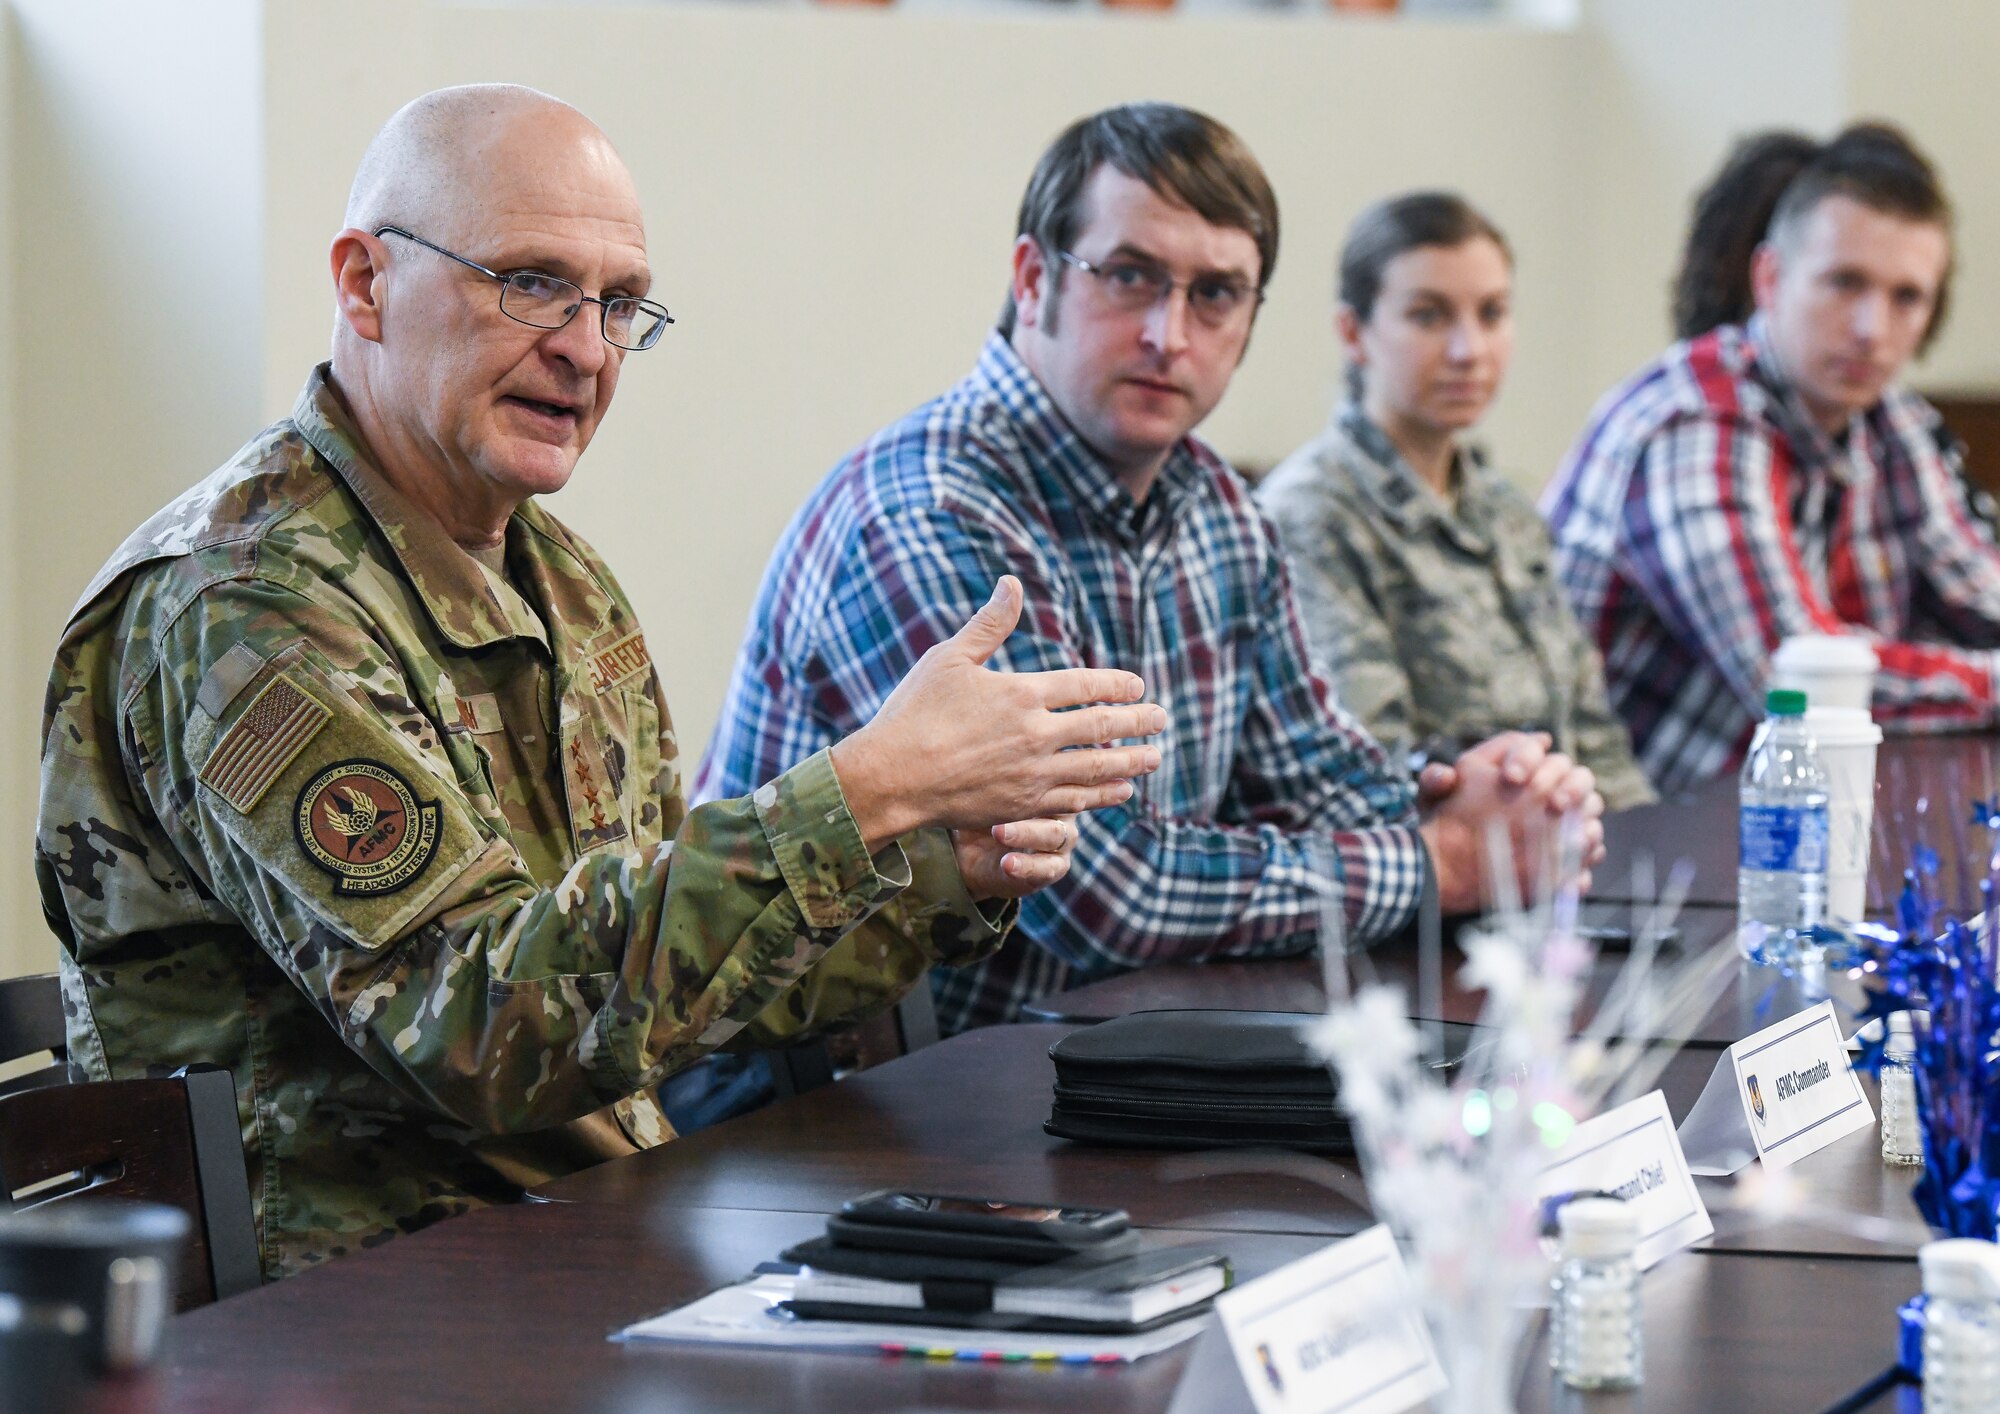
(1147, 235)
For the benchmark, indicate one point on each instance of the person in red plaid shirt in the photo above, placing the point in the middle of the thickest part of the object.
(1770, 478)
(1147, 235)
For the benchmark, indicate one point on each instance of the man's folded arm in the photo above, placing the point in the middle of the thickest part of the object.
(1717, 559)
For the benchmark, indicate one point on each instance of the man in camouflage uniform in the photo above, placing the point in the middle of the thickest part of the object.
(357, 778)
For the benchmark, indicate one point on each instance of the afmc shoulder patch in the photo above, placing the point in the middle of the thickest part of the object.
(362, 823)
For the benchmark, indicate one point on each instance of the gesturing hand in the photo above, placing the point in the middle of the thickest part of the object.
(961, 746)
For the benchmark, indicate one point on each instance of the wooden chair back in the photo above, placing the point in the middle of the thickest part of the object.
(174, 1140)
(31, 1022)
(909, 1026)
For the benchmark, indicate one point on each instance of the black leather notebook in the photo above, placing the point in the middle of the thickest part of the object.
(1190, 1079)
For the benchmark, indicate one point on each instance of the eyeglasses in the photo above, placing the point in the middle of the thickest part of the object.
(1133, 287)
(546, 302)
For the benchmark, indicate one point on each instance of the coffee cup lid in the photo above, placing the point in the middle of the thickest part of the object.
(1825, 653)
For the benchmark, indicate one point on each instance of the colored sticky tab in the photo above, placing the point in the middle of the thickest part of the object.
(1633, 1152)
(1337, 1331)
(1778, 1095)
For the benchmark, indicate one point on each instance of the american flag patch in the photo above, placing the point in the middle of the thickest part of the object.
(273, 729)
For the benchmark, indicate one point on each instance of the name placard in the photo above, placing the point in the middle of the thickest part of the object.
(1338, 1332)
(1778, 1095)
(1633, 1151)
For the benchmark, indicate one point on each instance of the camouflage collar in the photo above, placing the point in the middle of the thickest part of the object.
(470, 605)
(1057, 448)
(1372, 462)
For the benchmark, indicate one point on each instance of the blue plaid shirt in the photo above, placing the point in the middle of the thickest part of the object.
(1266, 789)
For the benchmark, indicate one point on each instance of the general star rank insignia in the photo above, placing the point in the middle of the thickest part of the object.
(362, 823)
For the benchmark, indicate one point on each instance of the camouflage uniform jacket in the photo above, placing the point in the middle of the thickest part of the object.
(401, 842)
(1439, 625)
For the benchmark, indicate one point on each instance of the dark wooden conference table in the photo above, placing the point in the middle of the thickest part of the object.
(1746, 1000)
(1925, 788)
(510, 1308)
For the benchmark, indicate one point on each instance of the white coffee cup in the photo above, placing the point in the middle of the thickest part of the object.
(1845, 739)
(1832, 670)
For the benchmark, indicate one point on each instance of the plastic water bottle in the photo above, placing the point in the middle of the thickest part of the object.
(1961, 1325)
(1600, 1342)
(1781, 858)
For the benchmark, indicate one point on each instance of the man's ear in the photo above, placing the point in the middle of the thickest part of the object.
(358, 291)
(1031, 282)
(1766, 265)
(1347, 325)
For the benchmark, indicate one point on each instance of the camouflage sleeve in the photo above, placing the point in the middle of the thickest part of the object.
(1344, 625)
(1596, 737)
(1602, 743)
(329, 818)
(933, 921)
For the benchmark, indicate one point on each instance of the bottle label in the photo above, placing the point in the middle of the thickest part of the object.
(1784, 839)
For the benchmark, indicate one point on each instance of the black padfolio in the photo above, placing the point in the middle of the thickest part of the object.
(1203, 1080)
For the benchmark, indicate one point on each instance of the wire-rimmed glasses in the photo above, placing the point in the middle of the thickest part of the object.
(1136, 286)
(549, 302)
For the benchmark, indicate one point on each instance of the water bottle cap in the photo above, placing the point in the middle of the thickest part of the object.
(1599, 1227)
(1961, 1269)
(1785, 702)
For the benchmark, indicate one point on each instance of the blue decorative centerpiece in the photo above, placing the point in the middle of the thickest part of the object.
(1940, 968)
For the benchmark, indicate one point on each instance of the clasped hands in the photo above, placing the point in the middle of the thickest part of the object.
(1517, 780)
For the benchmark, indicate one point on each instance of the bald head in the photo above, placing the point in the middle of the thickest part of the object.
(438, 158)
(467, 404)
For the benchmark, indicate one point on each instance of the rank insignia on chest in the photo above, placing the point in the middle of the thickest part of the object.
(362, 823)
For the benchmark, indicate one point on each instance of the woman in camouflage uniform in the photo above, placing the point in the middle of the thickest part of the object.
(1423, 576)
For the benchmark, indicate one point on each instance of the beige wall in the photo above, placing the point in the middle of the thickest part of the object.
(22, 948)
(137, 284)
(1924, 65)
(1670, 87)
(830, 196)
